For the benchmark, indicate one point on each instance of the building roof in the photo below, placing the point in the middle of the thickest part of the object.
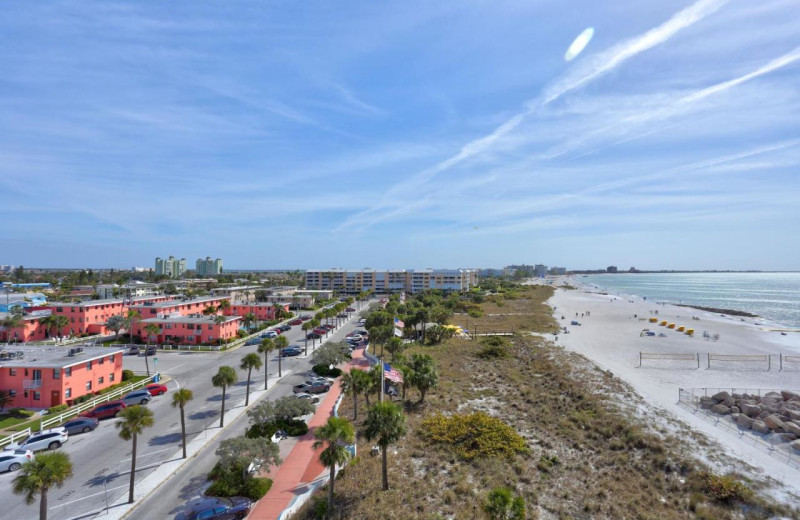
(172, 303)
(53, 356)
(190, 319)
(258, 304)
(87, 303)
(35, 315)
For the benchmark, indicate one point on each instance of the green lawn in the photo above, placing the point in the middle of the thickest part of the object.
(6, 421)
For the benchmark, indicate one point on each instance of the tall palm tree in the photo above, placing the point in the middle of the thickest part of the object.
(180, 397)
(150, 329)
(12, 321)
(386, 423)
(249, 362)
(219, 320)
(223, 306)
(337, 433)
(266, 346)
(248, 319)
(208, 311)
(130, 319)
(134, 420)
(281, 342)
(307, 326)
(353, 383)
(314, 323)
(225, 377)
(41, 474)
(58, 322)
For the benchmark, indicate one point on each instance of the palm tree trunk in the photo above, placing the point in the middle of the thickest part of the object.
(222, 414)
(280, 364)
(366, 396)
(266, 369)
(247, 394)
(330, 491)
(183, 432)
(355, 406)
(133, 471)
(385, 470)
(43, 504)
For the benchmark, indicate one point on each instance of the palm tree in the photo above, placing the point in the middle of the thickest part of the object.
(130, 319)
(314, 323)
(225, 377)
(337, 433)
(281, 343)
(134, 420)
(149, 329)
(248, 319)
(354, 383)
(219, 320)
(10, 322)
(208, 311)
(115, 323)
(41, 474)
(307, 326)
(266, 346)
(58, 322)
(179, 400)
(249, 362)
(386, 423)
(223, 306)
(5, 399)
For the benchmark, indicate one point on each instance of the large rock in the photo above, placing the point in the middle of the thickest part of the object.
(721, 396)
(735, 409)
(773, 395)
(789, 396)
(720, 409)
(795, 445)
(730, 401)
(750, 410)
(743, 420)
(774, 422)
(707, 402)
(788, 437)
(760, 427)
(793, 415)
(791, 427)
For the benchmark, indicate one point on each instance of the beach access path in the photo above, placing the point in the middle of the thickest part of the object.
(610, 336)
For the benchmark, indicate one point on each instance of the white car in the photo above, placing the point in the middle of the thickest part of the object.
(140, 397)
(43, 440)
(312, 398)
(13, 460)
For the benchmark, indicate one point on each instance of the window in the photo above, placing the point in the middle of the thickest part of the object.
(67, 393)
(59, 309)
(12, 393)
(99, 380)
(89, 365)
(68, 371)
(12, 371)
(111, 358)
(111, 377)
(25, 394)
(37, 396)
(88, 385)
(56, 373)
(100, 361)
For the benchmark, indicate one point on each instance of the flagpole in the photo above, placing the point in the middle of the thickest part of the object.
(383, 375)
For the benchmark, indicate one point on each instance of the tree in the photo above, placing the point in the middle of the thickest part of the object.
(395, 346)
(208, 311)
(134, 419)
(501, 504)
(40, 475)
(281, 343)
(10, 322)
(355, 383)
(307, 326)
(5, 399)
(330, 354)
(283, 409)
(386, 423)
(57, 322)
(314, 324)
(151, 329)
(223, 306)
(265, 347)
(337, 433)
(379, 335)
(248, 319)
(116, 323)
(180, 397)
(249, 362)
(280, 311)
(225, 377)
(425, 376)
(130, 319)
(422, 317)
(241, 451)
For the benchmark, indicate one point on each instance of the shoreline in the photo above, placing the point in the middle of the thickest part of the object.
(611, 335)
(730, 312)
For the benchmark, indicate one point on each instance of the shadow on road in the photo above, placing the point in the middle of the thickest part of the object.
(205, 414)
(161, 440)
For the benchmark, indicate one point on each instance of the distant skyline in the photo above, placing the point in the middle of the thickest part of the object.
(401, 134)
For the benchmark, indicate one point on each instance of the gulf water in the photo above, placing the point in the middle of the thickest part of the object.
(773, 296)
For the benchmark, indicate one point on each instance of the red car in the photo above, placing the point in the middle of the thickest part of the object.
(297, 321)
(156, 389)
(103, 411)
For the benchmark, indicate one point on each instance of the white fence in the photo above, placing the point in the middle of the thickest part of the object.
(47, 421)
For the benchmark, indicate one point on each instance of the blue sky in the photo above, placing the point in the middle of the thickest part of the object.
(401, 134)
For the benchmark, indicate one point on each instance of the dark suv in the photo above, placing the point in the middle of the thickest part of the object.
(234, 508)
(103, 411)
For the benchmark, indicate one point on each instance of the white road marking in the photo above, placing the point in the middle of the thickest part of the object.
(140, 455)
(87, 496)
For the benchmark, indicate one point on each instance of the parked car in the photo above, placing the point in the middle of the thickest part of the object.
(350, 309)
(317, 387)
(284, 328)
(103, 411)
(252, 341)
(327, 326)
(296, 321)
(356, 337)
(43, 440)
(13, 460)
(133, 351)
(313, 335)
(156, 389)
(293, 350)
(320, 331)
(269, 334)
(342, 315)
(80, 425)
(318, 380)
(311, 398)
(305, 317)
(136, 397)
(233, 508)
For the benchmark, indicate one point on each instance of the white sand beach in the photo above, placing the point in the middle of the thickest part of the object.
(610, 335)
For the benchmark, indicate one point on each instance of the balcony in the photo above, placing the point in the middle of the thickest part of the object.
(31, 384)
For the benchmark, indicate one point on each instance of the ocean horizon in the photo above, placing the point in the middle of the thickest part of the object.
(773, 296)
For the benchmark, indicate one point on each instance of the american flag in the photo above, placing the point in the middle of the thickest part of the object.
(391, 374)
(399, 324)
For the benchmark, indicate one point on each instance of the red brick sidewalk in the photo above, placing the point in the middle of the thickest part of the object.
(302, 466)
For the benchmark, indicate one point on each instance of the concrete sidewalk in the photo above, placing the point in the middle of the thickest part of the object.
(301, 471)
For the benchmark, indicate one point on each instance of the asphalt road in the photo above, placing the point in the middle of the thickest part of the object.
(101, 460)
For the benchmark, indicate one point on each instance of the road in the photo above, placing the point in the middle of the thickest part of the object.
(101, 460)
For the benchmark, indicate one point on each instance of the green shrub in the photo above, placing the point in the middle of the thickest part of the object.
(57, 409)
(726, 489)
(231, 482)
(320, 508)
(474, 435)
(293, 428)
(493, 347)
(255, 488)
(127, 374)
(325, 371)
(20, 413)
(240, 333)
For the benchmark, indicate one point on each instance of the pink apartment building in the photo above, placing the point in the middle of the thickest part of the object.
(194, 329)
(171, 308)
(89, 317)
(41, 377)
(262, 311)
(31, 328)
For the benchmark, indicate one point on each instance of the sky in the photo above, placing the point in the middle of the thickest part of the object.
(401, 134)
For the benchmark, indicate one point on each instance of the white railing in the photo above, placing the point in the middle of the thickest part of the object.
(75, 410)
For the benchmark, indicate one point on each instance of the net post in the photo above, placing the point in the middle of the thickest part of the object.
(708, 361)
(781, 357)
(640, 359)
(769, 362)
(698, 360)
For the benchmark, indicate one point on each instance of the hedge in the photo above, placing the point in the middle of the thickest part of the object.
(232, 482)
(293, 428)
(127, 374)
(325, 371)
(20, 413)
(57, 409)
